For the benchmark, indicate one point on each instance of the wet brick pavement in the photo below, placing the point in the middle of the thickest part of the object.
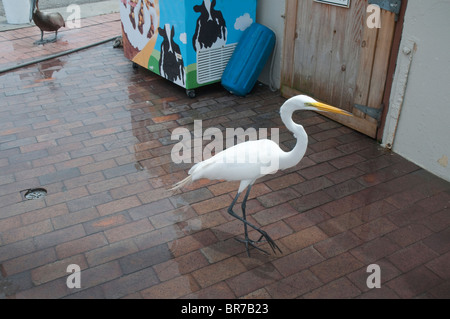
(96, 134)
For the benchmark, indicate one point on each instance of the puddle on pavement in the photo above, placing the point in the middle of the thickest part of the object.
(50, 69)
(45, 71)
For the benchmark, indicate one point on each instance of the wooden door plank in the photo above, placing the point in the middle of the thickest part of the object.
(287, 73)
(381, 61)
(338, 65)
(367, 56)
(306, 45)
(324, 52)
(351, 52)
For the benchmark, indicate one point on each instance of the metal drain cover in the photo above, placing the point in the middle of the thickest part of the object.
(35, 193)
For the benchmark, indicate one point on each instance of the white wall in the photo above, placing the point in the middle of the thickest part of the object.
(270, 13)
(423, 132)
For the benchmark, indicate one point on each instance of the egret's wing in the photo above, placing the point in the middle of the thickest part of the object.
(245, 161)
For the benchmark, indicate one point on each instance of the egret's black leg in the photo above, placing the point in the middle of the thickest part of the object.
(243, 206)
(247, 241)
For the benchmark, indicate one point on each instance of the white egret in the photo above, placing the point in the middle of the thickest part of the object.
(248, 161)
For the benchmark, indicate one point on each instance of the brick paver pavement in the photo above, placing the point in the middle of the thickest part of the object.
(96, 134)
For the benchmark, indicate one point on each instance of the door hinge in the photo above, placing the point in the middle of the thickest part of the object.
(370, 111)
(388, 5)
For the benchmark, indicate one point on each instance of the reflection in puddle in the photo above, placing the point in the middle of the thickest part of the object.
(50, 69)
(45, 71)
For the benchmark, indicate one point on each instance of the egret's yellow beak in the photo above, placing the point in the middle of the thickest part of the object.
(328, 108)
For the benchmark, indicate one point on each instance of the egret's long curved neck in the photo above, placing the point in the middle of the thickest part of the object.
(293, 157)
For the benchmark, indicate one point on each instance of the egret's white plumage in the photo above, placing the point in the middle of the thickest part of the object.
(248, 161)
(245, 162)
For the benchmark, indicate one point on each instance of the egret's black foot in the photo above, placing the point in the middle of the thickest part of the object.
(253, 243)
(269, 240)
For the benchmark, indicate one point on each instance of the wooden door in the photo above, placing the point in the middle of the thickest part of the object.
(331, 54)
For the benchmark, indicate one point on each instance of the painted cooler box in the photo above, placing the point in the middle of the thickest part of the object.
(188, 42)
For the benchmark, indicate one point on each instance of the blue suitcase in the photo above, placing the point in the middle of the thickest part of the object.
(248, 59)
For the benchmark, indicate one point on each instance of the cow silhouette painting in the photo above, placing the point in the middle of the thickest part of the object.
(171, 65)
(211, 29)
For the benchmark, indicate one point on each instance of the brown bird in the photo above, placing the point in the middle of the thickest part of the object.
(46, 22)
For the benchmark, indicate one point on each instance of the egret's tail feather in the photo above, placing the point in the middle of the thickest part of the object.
(182, 183)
